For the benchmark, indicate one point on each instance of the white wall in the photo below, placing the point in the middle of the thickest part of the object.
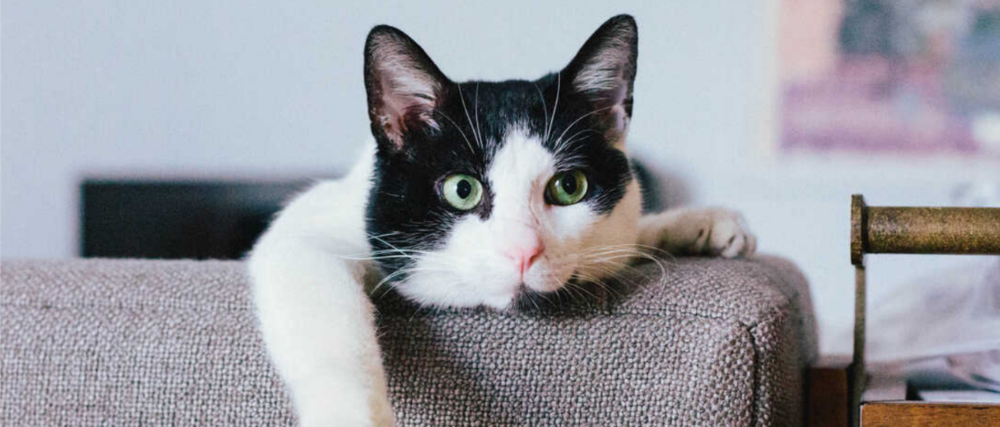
(263, 87)
(271, 89)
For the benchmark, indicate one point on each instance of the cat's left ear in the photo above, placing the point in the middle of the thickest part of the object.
(404, 86)
(603, 73)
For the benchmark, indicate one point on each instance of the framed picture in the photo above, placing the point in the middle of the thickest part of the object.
(880, 78)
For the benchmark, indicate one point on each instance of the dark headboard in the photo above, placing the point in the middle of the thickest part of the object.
(177, 219)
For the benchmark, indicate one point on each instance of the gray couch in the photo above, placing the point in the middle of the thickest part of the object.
(129, 342)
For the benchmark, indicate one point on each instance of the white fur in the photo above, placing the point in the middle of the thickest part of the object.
(313, 311)
(310, 273)
(603, 72)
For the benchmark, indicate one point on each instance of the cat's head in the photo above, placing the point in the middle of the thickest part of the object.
(485, 191)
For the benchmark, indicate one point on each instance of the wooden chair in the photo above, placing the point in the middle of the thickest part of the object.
(835, 387)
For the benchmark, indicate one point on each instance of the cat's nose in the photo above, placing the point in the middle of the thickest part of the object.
(525, 255)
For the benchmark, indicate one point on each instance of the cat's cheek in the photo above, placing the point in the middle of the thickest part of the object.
(571, 222)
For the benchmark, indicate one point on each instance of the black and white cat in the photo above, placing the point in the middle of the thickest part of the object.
(472, 194)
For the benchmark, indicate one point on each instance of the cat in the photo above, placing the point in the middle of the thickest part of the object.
(472, 194)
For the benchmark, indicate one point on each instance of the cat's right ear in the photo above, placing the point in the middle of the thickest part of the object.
(404, 86)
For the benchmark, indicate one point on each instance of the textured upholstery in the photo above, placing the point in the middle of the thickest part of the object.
(711, 342)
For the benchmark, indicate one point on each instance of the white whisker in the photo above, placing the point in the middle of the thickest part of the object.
(555, 107)
(558, 141)
(545, 111)
(476, 107)
(386, 279)
(469, 118)
(459, 130)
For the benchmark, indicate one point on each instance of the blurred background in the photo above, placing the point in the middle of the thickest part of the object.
(118, 114)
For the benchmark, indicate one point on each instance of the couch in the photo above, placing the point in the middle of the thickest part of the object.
(696, 341)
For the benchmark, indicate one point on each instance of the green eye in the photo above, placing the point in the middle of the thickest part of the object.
(462, 192)
(567, 188)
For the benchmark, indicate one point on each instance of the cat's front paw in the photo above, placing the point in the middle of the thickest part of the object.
(725, 233)
(337, 418)
(336, 400)
(712, 232)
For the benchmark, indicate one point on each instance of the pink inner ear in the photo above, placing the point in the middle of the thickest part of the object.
(614, 100)
(406, 102)
(620, 119)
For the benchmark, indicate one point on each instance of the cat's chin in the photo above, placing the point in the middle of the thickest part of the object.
(518, 297)
(499, 299)
(500, 303)
(506, 300)
(524, 297)
(499, 294)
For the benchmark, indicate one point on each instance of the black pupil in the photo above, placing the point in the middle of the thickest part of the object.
(568, 183)
(464, 188)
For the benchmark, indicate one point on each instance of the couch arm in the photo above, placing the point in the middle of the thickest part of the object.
(711, 342)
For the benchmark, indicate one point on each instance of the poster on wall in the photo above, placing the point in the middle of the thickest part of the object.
(889, 77)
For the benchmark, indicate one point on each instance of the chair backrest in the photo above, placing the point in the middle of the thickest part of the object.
(909, 230)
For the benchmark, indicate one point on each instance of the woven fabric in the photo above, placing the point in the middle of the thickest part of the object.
(127, 342)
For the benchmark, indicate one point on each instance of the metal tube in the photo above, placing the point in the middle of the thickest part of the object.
(932, 230)
(857, 371)
(895, 230)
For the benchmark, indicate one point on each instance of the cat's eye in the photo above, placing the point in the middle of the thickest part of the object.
(462, 192)
(567, 188)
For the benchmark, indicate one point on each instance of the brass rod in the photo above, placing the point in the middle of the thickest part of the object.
(858, 229)
(932, 230)
(857, 371)
(899, 230)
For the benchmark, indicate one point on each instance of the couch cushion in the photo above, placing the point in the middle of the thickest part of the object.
(709, 342)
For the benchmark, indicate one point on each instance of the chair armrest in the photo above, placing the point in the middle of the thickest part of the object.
(117, 342)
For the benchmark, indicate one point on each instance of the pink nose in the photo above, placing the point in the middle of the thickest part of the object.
(525, 256)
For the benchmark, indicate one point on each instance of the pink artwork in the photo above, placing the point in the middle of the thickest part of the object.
(891, 76)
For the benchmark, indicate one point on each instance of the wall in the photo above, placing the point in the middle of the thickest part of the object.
(273, 89)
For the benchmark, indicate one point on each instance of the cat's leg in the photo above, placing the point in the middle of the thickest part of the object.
(314, 313)
(708, 231)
